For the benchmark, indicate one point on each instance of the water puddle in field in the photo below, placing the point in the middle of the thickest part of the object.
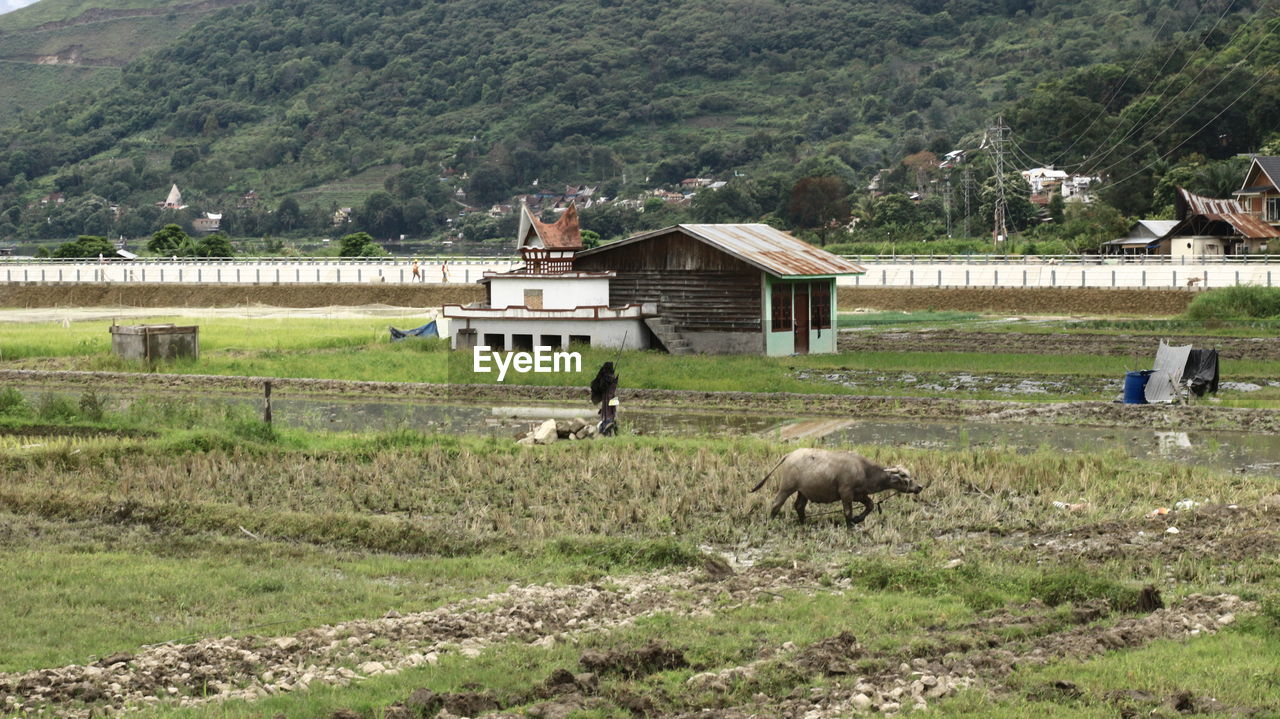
(994, 383)
(1233, 451)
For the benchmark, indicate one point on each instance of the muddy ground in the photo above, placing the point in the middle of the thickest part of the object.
(1099, 414)
(1040, 301)
(1143, 346)
(980, 653)
(1053, 301)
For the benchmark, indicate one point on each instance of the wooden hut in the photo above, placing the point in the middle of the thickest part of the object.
(720, 289)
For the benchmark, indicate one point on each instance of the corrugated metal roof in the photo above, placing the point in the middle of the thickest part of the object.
(1199, 205)
(1233, 212)
(1158, 228)
(765, 247)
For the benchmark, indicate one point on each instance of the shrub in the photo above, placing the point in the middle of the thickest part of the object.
(12, 401)
(1075, 585)
(92, 406)
(1230, 303)
(55, 408)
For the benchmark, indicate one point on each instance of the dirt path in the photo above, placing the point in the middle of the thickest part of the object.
(1100, 414)
(937, 673)
(1049, 344)
(253, 667)
(213, 670)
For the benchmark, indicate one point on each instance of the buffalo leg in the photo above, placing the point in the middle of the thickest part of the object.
(779, 499)
(849, 520)
(801, 501)
(868, 504)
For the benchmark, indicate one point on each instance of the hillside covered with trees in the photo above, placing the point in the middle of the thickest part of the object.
(798, 105)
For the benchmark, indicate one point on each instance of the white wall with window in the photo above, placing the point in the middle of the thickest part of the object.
(548, 292)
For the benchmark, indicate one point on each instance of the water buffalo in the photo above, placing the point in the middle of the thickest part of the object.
(822, 475)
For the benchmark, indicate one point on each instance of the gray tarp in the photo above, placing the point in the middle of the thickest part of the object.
(1169, 366)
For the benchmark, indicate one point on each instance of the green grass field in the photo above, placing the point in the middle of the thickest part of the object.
(210, 524)
(352, 349)
(126, 524)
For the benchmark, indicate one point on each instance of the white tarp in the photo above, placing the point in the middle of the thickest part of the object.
(1169, 366)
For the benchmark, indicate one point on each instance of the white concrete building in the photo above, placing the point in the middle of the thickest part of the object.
(546, 303)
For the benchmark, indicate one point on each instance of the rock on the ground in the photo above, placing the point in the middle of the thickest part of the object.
(546, 432)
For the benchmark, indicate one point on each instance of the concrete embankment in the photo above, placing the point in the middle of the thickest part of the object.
(158, 295)
(1058, 301)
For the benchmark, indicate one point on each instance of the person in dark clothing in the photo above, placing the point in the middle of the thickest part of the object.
(604, 392)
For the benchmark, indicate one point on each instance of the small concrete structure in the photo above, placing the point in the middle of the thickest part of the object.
(153, 343)
(547, 303)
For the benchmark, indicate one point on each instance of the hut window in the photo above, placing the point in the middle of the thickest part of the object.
(820, 306)
(781, 308)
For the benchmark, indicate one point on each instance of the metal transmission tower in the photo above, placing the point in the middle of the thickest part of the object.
(968, 185)
(996, 135)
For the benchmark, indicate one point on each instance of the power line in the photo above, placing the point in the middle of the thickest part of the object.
(1187, 111)
(1149, 114)
(1156, 78)
(1116, 92)
(1202, 128)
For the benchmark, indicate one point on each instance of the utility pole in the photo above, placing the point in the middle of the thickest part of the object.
(997, 137)
(946, 204)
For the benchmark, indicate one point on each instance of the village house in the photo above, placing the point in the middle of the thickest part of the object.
(1046, 181)
(207, 222)
(547, 303)
(694, 183)
(713, 289)
(1260, 193)
(726, 289)
(1210, 227)
(1142, 237)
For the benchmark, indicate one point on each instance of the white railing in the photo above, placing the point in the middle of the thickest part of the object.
(1150, 272)
(264, 271)
(512, 260)
(269, 260)
(1064, 259)
(1118, 276)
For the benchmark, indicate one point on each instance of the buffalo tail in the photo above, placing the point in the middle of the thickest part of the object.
(770, 474)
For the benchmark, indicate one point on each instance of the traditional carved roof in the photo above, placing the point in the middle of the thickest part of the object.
(563, 234)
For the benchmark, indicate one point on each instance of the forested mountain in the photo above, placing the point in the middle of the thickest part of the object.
(289, 97)
(55, 49)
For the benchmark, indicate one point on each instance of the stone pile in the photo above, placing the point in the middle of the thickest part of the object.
(554, 430)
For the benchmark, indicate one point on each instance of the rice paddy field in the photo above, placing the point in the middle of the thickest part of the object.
(168, 556)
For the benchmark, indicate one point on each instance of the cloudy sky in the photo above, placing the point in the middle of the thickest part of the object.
(7, 5)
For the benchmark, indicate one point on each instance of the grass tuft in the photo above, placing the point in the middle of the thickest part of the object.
(1235, 303)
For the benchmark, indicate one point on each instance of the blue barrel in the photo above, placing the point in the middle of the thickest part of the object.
(1135, 386)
